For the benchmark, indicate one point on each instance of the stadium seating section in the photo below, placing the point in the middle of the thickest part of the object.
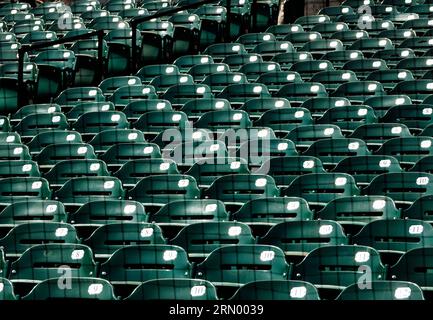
(121, 177)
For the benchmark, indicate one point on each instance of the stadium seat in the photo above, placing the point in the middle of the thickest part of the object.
(81, 288)
(383, 290)
(174, 289)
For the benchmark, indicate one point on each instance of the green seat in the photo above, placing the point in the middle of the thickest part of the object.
(423, 165)
(359, 211)
(217, 120)
(207, 169)
(365, 168)
(305, 136)
(238, 94)
(276, 290)
(162, 189)
(394, 56)
(253, 70)
(84, 107)
(213, 18)
(27, 235)
(397, 36)
(224, 266)
(348, 37)
(195, 108)
(407, 150)
(319, 105)
(64, 170)
(257, 106)
(106, 23)
(81, 288)
(218, 81)
(138, 263)
(275, 80)
(233, 138)
(121, 153)
(285, 169)
(19, 168)
(364, 67)
(240, 188)
(126, 94)
(200, 71)
(382, 290)
(319, 47)
(103, 212)
(332, 79)
(286, 60)
(299, 39)
(219, 51)
(200, 239)
(41, 262)
(359, 91)
(389, 78)
(309, 68)
(327, 29)
(412, 267)
(163, 82)
(423, 10)
(135, 109)
(339, 58)
(104, 140)
(108, 238)
(404, 188)
(336, 267)
(298, 238)
(43, 139)
(420, 25)
(156, 36)
(415, 116)
(147, 73)
(186, 62)
(174, 289)
(307, 22)
(7, 290)
(236, 61)
(381, 104)
(73, 96)
(257, 152)
(320, 188)
(331, 151)
(35, 108)
(9, 137)
(267, 50)
(133, 171)
(395, 236)
(417, 65)
(281, 30)
(417, 90)
(36, 123)
(78, 191)
(250, 40)
(180, 94)
(187, 212)
(95, 122)
(420, 209)
(370, 45)
(297, 93)
(270, 211)
(349, 118)
(14, 152)
(29, 211)
(109, 85)
(154, 122)
(30, 73)
(54, 153)
(19, 188)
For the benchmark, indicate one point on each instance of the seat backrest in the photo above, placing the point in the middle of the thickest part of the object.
(14, 189)
(136, 264)
(79, 288)
(234, 265)
(174, 289)
(41, 262)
